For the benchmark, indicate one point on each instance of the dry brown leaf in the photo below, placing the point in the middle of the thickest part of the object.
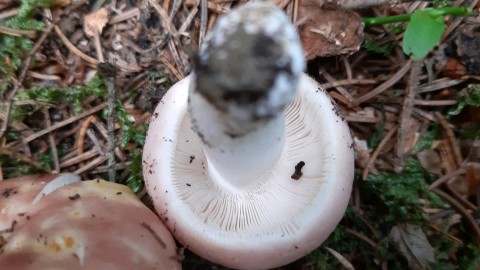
(467, 186)
(95, 21)
(430, 161)
(411, 242)
(328, 30)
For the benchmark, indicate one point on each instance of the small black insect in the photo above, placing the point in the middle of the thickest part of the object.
(74, 197)
(298, 170)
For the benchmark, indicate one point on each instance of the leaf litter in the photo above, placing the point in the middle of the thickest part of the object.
(54, 115)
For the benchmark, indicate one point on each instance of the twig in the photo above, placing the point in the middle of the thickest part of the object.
(384, 86)
(445, 178)
(51, 141)
(81, 135)
(74, 49)
(98, 45)
(451, 138)
(79, 158)
(362, 236)
(406, 115)
(109, 71)
(96, 143)
(65, 122)
(461, 199)
(171, 67)
(347, 82)
(17, 32)
(9, 13)
(438, 85)
(134, 12)
(175, 7)
(186, 23)
(210, 5)
(176, 57)
(44, 77)
(203, 20)
(377, 151)
(434, 102)
(457, 206)
(340, 89)
(91, 164)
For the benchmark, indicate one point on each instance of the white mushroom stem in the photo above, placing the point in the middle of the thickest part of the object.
(246, 73)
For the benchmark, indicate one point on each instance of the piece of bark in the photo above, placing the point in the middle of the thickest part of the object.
(328, 30)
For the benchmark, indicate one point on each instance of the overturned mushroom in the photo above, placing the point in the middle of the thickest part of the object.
(251, 118)
(83, 225)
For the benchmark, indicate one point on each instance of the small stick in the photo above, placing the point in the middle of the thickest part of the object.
(475, 229)
(9, 13)
(17, 33)
(384, 86)
(455, 146)
(347, 82)
(445, 178)
(405, 121)
(109, 71)
(203, 20)
(74, 49)
(340, 89)
(65, 122)
(98, 45)
(92, 164)
(53, 145)
(134, 12)
(377, 151)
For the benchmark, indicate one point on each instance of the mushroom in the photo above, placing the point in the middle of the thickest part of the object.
(83, 225)
(18, 194)
(248, 161)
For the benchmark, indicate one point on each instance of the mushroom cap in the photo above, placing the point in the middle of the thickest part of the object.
(270, 223)
(18, 194)
(89, 225)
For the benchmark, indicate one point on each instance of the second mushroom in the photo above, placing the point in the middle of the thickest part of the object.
(247, 160)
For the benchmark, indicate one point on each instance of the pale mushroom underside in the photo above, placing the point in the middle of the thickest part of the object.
(230, 226)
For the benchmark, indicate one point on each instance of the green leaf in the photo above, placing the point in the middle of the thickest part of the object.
(422, 33)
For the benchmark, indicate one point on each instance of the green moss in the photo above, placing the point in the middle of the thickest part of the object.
(129, 132)
(135, 179)
(471, 98)
(73, 96)
(14, 49)
(383, 49)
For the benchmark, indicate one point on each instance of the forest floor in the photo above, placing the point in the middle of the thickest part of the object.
(415, 119)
